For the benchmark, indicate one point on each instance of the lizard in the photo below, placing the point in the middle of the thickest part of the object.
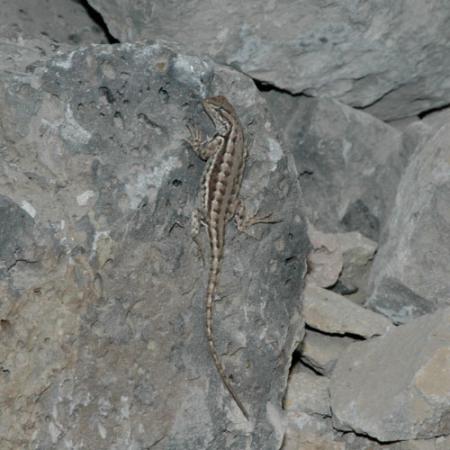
(226, 155)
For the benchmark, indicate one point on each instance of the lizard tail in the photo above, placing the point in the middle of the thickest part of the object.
(212, 285)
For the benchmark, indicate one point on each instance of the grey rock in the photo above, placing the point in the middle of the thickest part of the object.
(437, 119)
(311, 433)
(390, 58)
(345, 258)
(332, 313)
(58, 21)
(19, 57)
(441, 443)
(402, 124)
(396, 387)
(357, 255)
(325, 260)
(16, 242)
(102, 338)
(410, 273)
(355, 442)
(349, 164)
(307, 392)
(321, 351)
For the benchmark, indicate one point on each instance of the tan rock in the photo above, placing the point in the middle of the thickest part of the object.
(332, 313)
(396, 387)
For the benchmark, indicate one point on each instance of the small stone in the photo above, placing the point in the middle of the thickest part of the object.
(307, 392)
(325, 260)
(320, 351)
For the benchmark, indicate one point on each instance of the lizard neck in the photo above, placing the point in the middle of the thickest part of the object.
(224, 121)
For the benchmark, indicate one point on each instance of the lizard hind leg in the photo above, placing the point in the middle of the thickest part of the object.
(196, 222)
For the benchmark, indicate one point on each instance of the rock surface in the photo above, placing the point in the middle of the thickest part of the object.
(349, 164)
(59, 21)
(320, 351)
(410, 276)
(102, 311)
(340, 260)
(391, 58)
(102, 343)
(308, 393)
(396, 387)
(325, 260)
(332, 313)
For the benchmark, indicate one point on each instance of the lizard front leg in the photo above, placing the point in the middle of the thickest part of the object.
(203, 147)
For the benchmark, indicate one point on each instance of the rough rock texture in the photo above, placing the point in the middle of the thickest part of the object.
(102, 343)
(308, 426)
(397, 386)
(334, 314)
(341, 261)
(410, 276)
(349, 164)
(307, 392)
(390, 57)
(321, 351)
(308, 413)
(437, 119)
(59, 21)
(354, 442)
(357, 256)
(311, 433)
(325, 260)
(102, 298)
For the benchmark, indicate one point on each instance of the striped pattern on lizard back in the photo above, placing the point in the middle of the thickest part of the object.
(225, 153)
(223, 178)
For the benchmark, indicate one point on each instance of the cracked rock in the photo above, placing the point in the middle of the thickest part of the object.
(410, 274)
(104, 339)
(388, 57)
(321, 351)
(332, 313)
(397, 386)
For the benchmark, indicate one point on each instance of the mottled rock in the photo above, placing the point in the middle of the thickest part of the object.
(410, 274)
(310, 432)
(389, 57)
(321, 351)
(340, 257)
(325, 260)
(357, 255)
(396, 387)
(307, 392)
(355, 442)
(437, 119)
(58, 21)
(334, 314)
(307, 437)
(102, 297)
(349, 165)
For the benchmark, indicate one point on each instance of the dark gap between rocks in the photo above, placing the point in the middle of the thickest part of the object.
(433, 110)
(264, 86)
(96, 17)
(356, 337)
(311, 368)
(369, 438)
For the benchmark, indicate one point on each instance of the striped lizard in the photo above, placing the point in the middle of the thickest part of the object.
(226, 155)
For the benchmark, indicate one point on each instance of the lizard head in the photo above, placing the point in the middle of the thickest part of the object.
(221, 112)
